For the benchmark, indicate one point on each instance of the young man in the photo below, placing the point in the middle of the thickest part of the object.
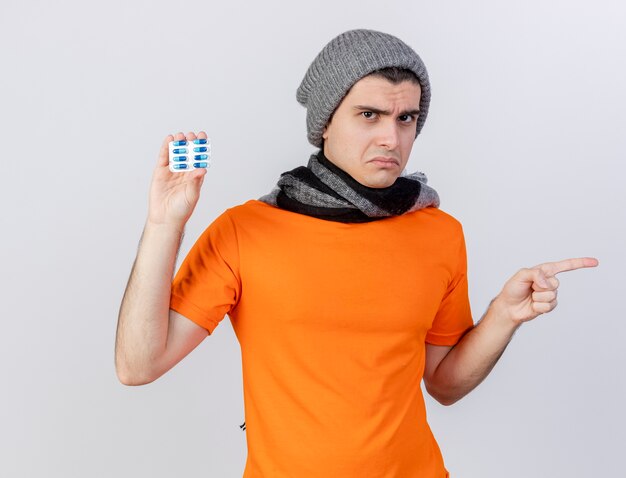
(346, 285)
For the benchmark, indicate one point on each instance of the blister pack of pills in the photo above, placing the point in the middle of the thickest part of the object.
(189, 155)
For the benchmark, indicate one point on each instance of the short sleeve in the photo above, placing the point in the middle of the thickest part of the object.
(454, 316)
(207, 285)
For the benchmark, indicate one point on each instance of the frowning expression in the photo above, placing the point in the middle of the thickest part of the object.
(372, 131)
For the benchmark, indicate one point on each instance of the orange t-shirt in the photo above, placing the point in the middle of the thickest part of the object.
(332, 319)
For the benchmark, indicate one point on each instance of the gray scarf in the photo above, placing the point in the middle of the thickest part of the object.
(327, 192)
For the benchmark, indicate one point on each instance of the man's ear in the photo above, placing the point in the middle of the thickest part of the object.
(325, 132)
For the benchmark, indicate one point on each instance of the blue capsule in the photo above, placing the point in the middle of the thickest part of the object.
(201, 149)
(179, 150)
(199, 141)
(180, 166)
(179, 158)
(201, 156)
(180, 143)
(200, 165)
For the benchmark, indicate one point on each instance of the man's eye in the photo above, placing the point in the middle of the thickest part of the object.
(406, 118)
(368, 114)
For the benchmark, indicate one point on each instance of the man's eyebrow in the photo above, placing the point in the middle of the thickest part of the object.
(378, 111)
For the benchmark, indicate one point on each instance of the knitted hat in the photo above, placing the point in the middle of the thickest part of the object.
(344, 61)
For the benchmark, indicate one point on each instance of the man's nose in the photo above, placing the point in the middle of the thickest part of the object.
(388, 135)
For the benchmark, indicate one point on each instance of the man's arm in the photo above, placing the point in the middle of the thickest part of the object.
(151, 338)
(452, 372)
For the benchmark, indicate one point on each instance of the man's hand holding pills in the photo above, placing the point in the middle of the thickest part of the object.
(174, 195)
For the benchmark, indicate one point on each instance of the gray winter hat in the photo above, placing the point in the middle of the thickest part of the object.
(344, 61)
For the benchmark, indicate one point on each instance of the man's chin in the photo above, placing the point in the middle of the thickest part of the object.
(379, 181)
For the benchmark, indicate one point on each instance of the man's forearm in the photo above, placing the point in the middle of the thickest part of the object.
(471, 360)
(143, 319)
(526, 295)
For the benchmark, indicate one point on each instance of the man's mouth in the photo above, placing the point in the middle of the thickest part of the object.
(384, 161)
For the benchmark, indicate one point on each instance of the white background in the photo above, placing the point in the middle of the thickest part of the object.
(524, 143)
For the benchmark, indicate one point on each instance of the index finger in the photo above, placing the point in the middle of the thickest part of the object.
(553, 268)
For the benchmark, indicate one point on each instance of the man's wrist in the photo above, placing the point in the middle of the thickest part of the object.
(500, 313)
(164, 228)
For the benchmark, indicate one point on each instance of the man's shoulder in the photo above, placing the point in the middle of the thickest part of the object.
(248, 209)
(436, 217)
(250, 213)
(249, 205)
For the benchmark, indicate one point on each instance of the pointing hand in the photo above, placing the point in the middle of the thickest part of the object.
(532, 292)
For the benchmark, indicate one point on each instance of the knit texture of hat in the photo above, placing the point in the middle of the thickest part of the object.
(344, 61)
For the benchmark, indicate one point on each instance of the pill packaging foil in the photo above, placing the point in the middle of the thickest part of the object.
(185, 156)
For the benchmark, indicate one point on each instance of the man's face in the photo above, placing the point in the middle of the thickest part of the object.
(371, 133)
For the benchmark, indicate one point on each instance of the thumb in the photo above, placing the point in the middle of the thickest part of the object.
(523, 283)
(540, 279)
